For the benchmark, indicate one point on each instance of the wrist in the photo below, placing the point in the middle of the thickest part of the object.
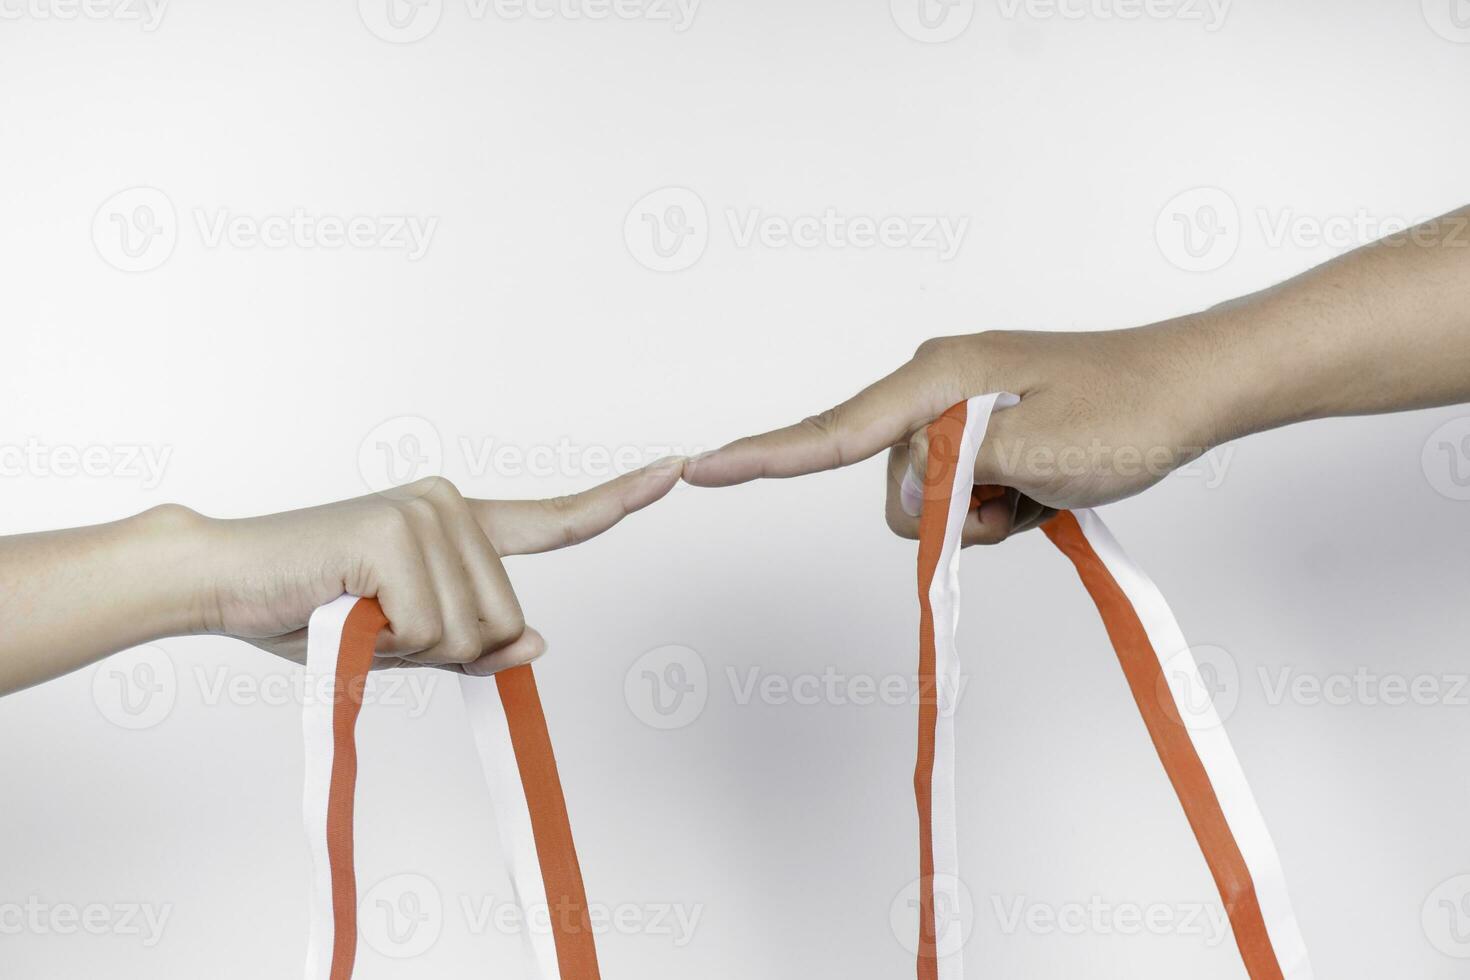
(175, 564)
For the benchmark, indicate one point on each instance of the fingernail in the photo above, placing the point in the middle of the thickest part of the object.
(911, 494)
(667, 464)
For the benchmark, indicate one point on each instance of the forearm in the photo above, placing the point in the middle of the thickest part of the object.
(68, 598)
(1384, 328)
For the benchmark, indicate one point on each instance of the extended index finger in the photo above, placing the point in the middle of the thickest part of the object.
(525, 527)
(879, 416)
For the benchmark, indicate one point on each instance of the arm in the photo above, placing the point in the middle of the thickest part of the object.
(431, 557)
(1106, 414)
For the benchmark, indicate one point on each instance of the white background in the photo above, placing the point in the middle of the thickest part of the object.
(787, 828)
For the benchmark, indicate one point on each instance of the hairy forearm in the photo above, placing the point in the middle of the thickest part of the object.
(1384, 328)
(68, 598)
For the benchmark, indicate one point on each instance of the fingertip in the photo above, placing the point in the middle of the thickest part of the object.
(711, 469)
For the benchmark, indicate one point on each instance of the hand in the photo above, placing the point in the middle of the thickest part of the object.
(1102, 416)
(430, 556)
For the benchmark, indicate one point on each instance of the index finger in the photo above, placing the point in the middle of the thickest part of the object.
(526, 527)
(879, 416)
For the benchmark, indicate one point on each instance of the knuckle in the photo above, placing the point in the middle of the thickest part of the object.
(936, 347)
(421, 634)
(828, 428)
(389, 521)
(506, 628)
(435, 487)
(442, 489)
(461, 648)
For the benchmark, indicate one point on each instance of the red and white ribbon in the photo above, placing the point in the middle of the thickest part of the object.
(1181, 720)
(510, 734)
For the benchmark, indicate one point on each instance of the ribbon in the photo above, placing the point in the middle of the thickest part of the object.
(1181, 720)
